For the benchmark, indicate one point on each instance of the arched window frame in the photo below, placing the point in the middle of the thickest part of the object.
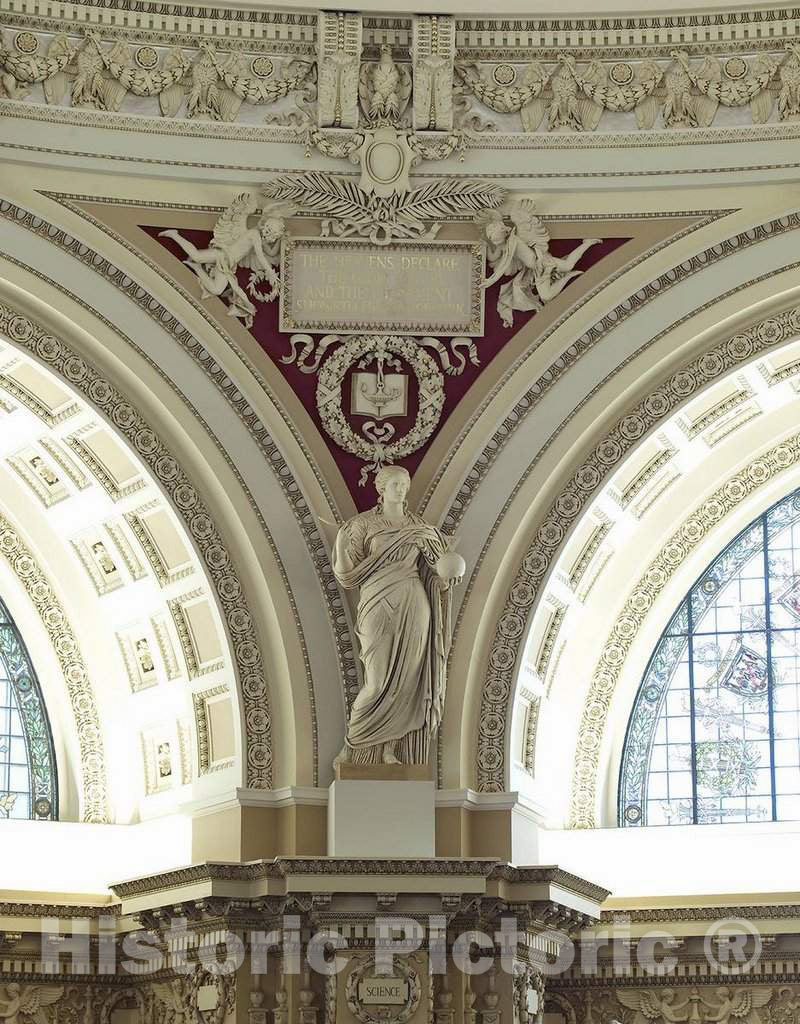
(16, 664)
(677, 641)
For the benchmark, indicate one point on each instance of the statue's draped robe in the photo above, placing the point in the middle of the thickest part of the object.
(404, 632)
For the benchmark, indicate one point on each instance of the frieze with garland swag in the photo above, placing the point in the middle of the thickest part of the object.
(730, 1001)
(390, 377)
(444, 88)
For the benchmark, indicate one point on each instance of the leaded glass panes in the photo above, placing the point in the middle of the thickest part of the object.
(28, 787)
(715, 731)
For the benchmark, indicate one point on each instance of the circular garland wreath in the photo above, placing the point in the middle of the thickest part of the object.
(378, 449)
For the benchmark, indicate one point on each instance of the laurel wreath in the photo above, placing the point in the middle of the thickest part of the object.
(378, 450)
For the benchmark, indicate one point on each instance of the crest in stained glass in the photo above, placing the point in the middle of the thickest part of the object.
(714, 735)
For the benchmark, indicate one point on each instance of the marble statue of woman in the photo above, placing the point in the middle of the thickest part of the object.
(405, 570)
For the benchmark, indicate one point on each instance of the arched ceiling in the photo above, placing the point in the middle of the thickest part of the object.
(670, 506)
(108, 587)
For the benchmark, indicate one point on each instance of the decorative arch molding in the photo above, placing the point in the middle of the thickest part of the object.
(80, 376)
(22, 562)
(563, 513)
(281, 469)
(335, 606)
(595, 333)
(691, 533)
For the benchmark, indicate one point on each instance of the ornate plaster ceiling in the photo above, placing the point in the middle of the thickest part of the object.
(679, 262)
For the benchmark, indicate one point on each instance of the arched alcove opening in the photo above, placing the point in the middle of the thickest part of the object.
(28, 770)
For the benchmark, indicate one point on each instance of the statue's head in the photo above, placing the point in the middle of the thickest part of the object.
(12, 990)
(393, 483)
(386, 53)
(497, 232)
(272, 228)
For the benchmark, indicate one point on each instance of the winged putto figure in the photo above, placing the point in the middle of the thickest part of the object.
(384, 88)
(26, 1005)
(729, 1006)
(652, 1007)
(737, 1007)
(519, 248)
(234, 246)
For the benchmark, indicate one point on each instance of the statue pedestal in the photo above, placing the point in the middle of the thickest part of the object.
(381, 812)
(384, 772)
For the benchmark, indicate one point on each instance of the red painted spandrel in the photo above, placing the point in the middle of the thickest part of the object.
(276, 345)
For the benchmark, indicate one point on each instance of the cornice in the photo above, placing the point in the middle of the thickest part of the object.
(525, 77)
(551, 875)
(478, 866)
(772, 912)
(788, 131)
(59, 910)
(474, 35)
(286, 867)
(194, 874)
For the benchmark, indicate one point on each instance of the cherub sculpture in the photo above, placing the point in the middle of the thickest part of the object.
(26, 1005)
(651, 1007)
(519, 248)
(235, 246)
(737, 1007)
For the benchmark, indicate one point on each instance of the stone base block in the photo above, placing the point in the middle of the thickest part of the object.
(386, 772)
(369, 818)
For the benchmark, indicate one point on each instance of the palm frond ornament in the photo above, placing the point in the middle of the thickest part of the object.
(348, 210)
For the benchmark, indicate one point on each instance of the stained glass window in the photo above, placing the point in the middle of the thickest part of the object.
(28, 785)
(714, 735)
